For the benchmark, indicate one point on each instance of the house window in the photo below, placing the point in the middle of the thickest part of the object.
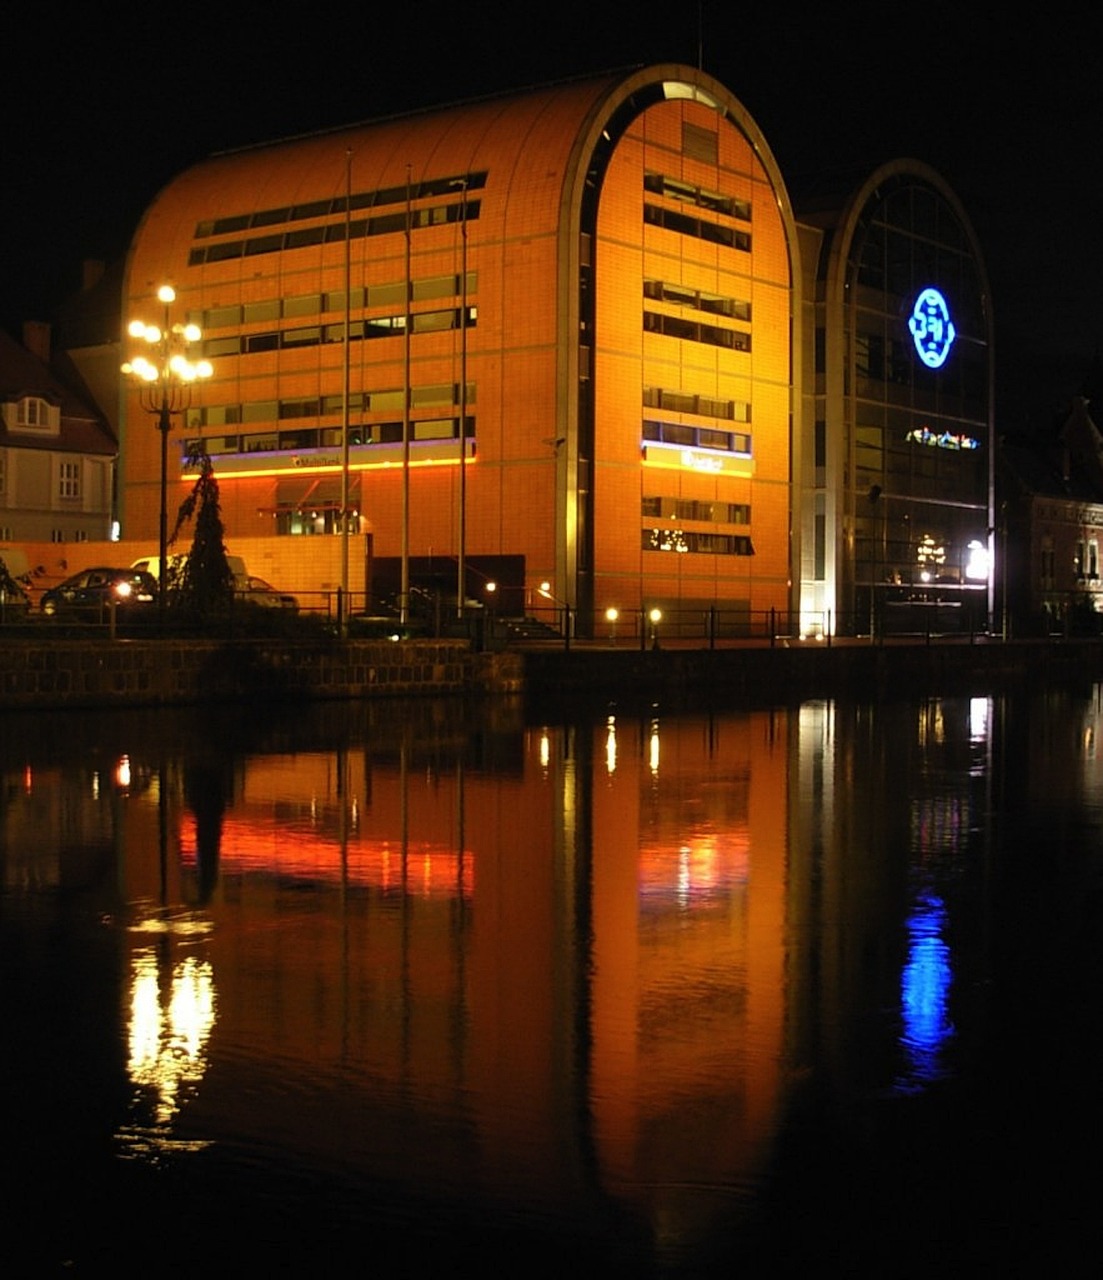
(1048, 562)
(32, 413)
(69, 481)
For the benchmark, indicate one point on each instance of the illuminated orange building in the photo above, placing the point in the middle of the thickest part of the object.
(596, 278)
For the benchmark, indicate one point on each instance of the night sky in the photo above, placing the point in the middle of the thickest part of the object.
(100, 108)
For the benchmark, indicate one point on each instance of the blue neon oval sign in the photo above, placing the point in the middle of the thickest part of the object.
(931, 328)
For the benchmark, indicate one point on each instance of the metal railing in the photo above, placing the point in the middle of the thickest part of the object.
(542, 624)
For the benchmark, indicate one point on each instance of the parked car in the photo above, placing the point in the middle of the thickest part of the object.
(255, 590)
(91, 592)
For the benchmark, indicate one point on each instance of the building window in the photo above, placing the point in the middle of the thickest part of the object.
(390, 400)
(661, 184)
(694, 331)
(684, 435)
(358, 330)
(688, 402)
(683, 224)
(682, 541)
(68, 489)
(32, 413)
(1048, 566)
(819, 541)
(682, 296)
(656, 507)
(322, 440)
(700, 144)
(454, 209)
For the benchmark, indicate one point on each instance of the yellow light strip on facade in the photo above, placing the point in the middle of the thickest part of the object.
(306, 472)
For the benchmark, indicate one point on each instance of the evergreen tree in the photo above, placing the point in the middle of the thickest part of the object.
(205, 582)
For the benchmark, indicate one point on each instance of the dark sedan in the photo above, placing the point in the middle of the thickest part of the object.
(257, 591)
(92, 592)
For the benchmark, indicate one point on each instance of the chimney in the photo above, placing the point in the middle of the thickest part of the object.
(92, 271)
(36, 338)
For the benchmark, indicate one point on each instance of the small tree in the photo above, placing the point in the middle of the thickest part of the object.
(205, 582)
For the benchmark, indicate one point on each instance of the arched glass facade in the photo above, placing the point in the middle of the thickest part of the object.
(903, 414)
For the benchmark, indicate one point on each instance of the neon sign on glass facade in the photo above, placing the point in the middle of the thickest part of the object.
(931, 328)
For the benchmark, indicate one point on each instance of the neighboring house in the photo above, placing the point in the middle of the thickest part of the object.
(1051, 523)
(57, 453)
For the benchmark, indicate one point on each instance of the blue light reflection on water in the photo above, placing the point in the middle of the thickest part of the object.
(925, 992)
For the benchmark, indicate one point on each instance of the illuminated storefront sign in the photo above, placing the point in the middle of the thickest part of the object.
(941, 439)
(669, 455)
(931, 328)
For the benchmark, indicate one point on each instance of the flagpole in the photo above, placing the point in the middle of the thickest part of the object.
(404, 596)
(343, 612)
(461, 590)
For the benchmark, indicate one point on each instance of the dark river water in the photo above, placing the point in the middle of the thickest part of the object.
(424, 989)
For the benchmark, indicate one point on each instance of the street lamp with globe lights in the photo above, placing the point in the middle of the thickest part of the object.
(165, 376)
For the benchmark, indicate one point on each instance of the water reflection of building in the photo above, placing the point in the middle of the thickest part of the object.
(573, 968)
(888, 847)
(584, 964)
(689, 986)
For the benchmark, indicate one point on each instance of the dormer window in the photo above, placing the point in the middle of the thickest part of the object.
(32, 413)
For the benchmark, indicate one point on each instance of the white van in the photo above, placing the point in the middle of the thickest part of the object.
(152, 564)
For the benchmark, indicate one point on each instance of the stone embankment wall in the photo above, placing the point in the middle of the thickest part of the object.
(779, 675)
(82, 673)
(94, 673)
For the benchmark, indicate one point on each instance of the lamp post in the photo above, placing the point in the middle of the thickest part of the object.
(490, 587)
(564, 618)
(655, 616)
(611, 616)
(874, 496)
(164, 379)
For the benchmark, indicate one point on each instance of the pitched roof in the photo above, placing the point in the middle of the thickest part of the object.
(83, 427)
(1067, 465)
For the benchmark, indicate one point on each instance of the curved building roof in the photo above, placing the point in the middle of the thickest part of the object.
(537, 143)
